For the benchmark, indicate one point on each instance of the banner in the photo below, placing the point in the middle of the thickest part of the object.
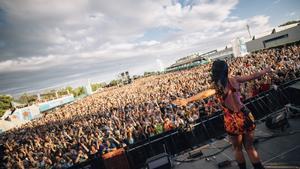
(55, 103)
(26, 113)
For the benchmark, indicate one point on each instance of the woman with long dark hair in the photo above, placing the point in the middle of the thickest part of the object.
(238, 120)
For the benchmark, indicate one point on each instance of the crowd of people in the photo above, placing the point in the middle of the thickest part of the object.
(120, 116)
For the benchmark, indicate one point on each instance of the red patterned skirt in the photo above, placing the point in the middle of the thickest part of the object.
(238, 123)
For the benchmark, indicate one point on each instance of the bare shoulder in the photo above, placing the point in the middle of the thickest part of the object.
(233, 81)
(233, 78)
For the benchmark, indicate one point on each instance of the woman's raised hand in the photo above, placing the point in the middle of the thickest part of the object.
(180, 102)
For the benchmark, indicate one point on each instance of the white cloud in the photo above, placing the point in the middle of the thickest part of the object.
(46, 33)
(32, 63)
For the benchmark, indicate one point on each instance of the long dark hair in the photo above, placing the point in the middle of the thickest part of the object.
(219, 76)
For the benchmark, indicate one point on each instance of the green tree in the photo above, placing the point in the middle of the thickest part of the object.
(150, 73)
(96, 86)
(81, 90)
(78, 91)
(27, 99)
(5, 103)
(24, 98)
(49, 95)
(62, 92)
(69, 88)
(32, 99)
(114, 82)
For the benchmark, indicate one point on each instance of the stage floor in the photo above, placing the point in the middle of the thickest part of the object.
(277, 151)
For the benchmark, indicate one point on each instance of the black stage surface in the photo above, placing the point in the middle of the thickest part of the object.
(276, 148)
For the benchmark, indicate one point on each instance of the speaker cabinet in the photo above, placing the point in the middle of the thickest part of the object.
(160, 161)
(116, 160)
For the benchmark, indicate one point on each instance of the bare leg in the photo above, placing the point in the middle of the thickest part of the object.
(248, 139)
(237, 143)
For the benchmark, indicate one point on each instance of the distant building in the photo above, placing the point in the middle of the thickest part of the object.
(199, 59)
(187, 62)
(277, 37)
(220, 54)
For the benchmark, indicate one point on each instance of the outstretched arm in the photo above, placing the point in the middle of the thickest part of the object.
(199, 96)
(242, 79)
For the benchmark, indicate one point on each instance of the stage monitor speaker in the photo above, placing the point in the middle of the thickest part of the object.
(195, 154)
(224, 164)
(294, 111)
(160, 161)
(294, 93)
(278, 120)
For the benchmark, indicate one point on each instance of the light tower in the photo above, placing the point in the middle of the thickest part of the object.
(248, 29)
(88, 88)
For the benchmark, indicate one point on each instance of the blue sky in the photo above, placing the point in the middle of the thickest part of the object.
(49, 44)
(158, 33)
(279, 11)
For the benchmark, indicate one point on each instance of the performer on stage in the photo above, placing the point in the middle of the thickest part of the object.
(238, 120)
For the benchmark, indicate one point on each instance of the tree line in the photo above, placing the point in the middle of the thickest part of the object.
(28, 99)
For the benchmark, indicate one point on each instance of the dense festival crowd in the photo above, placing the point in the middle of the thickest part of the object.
(119, 116)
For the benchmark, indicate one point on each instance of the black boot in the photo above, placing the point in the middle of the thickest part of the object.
(242, 165)
(258, 165)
